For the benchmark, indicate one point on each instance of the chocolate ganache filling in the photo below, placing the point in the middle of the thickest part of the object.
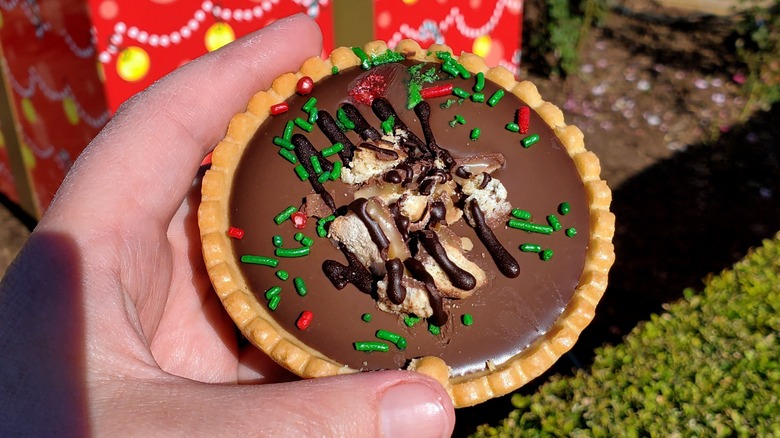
(417, 220)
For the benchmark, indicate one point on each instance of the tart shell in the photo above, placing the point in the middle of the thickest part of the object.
(259, 327)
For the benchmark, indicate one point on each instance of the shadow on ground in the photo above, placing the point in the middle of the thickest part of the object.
(678, 221)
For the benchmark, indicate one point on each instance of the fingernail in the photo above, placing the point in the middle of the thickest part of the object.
(413, 409)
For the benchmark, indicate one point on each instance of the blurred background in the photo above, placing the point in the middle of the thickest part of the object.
(678, 98)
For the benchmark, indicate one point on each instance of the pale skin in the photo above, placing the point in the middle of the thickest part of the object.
(108, 323)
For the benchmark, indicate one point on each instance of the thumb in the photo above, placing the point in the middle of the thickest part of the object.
(383, 404)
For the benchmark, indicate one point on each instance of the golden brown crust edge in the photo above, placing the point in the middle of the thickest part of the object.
(259, 327)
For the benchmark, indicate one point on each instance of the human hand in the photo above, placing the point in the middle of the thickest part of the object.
(108, 323)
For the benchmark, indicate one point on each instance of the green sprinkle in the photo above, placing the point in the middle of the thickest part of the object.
(571, 232)
(411, 320)
(309, 104)
(530, 247)
(272, 292)
(547, 254)
(530, 140)
(334, 70)
(283, 143)
(315, 164)
(273, 303)
(332, 150)
(292, 252)
(514, 127)
(387, 125)
(303, 124)
(480, 82)
(313, 115)
(285, 214)
(475, 133)
(288, 130)
(459, 118)
(448, 103)
(443, 55)
(386, 58)
(307, 241)
(496, 97)
(365, 63)
(289, 156)
(465, 74)
(303, 175)
(554, 223)
(434, 329)
(278, 241)
(521, 214)
(450, 68)
(259, 260)
(322, 232)
(530, 227)
(366, 317)
(342, 117)
(467, 319)
(460, 92)
(336, 172)
(300, 286)
(478, 97)
(415, 96)
(395, 338)
(298, 236)
(282, 274)
(324, 176)
(564, 208)
(371, 346)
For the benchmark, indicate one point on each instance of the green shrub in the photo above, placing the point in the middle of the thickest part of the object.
(758, 47)
(709, 366)
(563, 25)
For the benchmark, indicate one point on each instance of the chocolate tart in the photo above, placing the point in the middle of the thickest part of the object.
(407, 209)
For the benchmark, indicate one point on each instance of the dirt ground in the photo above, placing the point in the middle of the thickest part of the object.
(695, 175)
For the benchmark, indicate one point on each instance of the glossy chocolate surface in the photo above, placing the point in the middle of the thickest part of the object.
(509, 314)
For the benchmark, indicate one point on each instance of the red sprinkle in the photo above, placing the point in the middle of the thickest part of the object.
(299, 220)
(436, 91)
(304, 320)
(524, 119)
(305, 85)
(279, 108)
(236, 233)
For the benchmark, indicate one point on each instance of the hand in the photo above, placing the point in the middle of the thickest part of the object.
(108, 323)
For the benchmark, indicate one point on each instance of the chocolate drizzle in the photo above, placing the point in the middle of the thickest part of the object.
(418, 271)
(396, 292)
(505, 262)
(304, 150)
(355, 273)
(328, 125)
(364, 130)
(358, 206)
(459, 277)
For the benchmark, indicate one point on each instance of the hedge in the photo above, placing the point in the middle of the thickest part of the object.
(709, 366)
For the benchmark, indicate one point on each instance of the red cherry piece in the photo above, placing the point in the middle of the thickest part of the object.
(299, 220)
(368, 88)
(305, 85)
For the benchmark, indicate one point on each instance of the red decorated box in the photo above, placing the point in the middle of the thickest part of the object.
(69, 64)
